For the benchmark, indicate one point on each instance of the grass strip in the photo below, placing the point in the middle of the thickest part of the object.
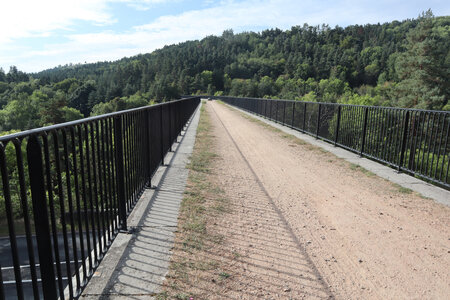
(202, 200)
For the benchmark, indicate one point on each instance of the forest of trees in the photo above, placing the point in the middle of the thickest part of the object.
(402, 64)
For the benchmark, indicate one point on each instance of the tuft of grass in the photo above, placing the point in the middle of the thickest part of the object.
(182, 296)
(224, 275)
(206, 265)
(403, 190)
(356, 167)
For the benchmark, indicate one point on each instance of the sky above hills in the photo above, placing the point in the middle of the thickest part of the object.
(36, 35)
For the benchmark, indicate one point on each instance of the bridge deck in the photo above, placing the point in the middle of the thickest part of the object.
(302, 223)
(308, 224)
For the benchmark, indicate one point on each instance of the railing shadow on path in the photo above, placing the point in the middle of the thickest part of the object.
(144, 261)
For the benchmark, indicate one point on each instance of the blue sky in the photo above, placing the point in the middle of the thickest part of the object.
(35, 35)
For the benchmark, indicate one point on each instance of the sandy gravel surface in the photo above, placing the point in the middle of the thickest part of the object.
(306, 225)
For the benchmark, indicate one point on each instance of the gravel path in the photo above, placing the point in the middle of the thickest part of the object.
(305, 224)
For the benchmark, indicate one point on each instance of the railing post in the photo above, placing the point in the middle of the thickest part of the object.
(38, 198)
(338, 123)
(170, 126)
(318, 122)
(270, 110)
(404, 139)
(265, 108)
(293, 111)
(304, 119)
(161, 133)
(118, 138)
(276, 112)
(284, 113)
(363, 138)
(148, 151)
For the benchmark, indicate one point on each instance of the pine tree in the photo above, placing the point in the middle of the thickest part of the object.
(423, 69)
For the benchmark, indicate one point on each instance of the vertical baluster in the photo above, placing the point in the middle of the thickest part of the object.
(52, 217)
(78, 204)
(338, 123)
(24, 202)
(404, 140)
(440, 143)
(149, 147)
(97, 187)
(113, 175)
(120, 176)
(62, 212)
(85, 199)
(9, 217)
(105, 199)
(161, 134)
(318, 121)
(91, 192)
(304, 117)
(421, 129)
(427, 168)
(363, 139)
(445, 154)
(109, 177)
(293, 114)
(70, 204)
(42, 228)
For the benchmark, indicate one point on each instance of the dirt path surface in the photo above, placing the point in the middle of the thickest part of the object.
(306, 225)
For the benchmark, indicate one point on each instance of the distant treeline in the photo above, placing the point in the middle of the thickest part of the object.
(404, 64)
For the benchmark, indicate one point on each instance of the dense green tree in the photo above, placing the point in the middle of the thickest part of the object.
(2, 75)
(424, 68)
(14, 75)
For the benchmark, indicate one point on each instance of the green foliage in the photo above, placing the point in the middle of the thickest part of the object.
(310, 97)
(393, 64)
(424, 69)
(118, 104)
(356, 99)
(71, 114)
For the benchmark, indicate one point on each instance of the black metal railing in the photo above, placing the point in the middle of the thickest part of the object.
(67, 190)
(410, 140)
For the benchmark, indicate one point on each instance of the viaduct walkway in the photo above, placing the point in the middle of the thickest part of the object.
(300, 222)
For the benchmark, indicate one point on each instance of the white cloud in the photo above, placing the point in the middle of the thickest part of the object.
(144, 5)
(28, 18)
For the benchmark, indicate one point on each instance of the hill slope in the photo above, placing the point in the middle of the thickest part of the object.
(397, 64)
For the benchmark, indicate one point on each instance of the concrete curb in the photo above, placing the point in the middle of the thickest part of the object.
(428, 190)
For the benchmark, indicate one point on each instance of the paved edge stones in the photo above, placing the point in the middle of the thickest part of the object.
(136, 263)
(428, 190)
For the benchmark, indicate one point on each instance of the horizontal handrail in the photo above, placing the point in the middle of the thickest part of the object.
(327, 103)
(46, 129)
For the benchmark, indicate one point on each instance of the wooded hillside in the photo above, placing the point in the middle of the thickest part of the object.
(404, 64)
